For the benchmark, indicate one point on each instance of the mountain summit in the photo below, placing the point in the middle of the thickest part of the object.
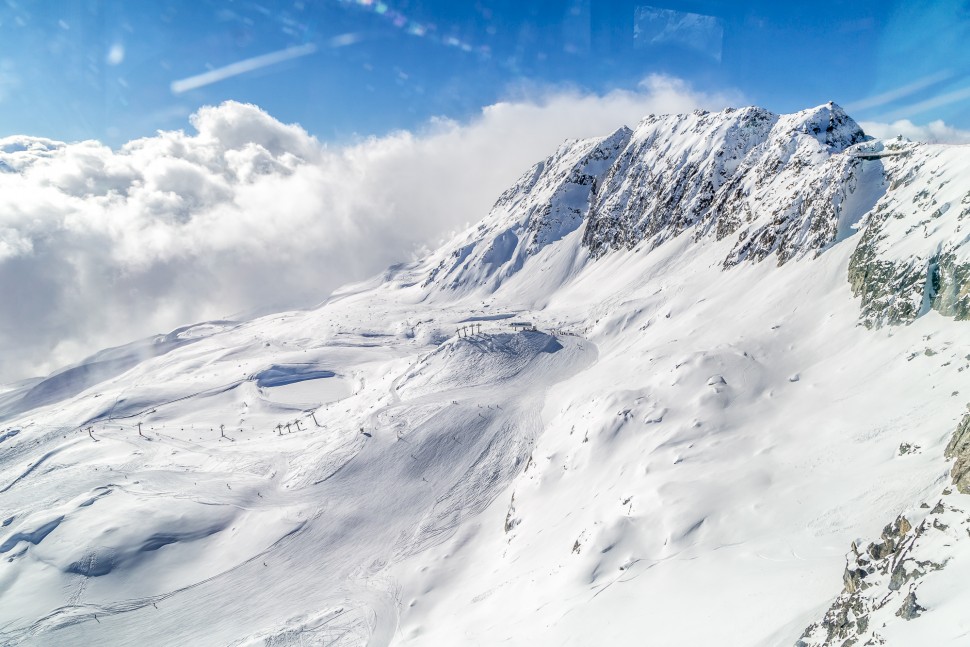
(778, 186)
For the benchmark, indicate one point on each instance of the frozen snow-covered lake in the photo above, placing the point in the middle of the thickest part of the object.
(303, 384)
(322, 390)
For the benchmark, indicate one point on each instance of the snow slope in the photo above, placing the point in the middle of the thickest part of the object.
(682, 453)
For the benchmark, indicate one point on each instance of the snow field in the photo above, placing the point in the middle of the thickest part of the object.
(702, 482)
(181, 526)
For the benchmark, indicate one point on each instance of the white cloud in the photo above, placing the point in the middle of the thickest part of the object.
(101, 246)
(935, 132)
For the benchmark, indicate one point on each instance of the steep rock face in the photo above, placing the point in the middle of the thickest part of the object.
(812, 214)
(778, 186)
(959, 449)
(882, 581)
(802, 191)
(669, 175)
(568, 205)
(913, 255)
(777, 179)
(548, 202)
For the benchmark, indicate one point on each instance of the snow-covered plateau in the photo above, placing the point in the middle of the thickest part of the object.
(736, 415)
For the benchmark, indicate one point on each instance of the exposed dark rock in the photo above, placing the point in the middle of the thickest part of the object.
(746, 164)
(510, 520)
(896, 290)
(908, 448)
(849, 616)
(952, 287)
(890, 293)
(959, 449)
(910, 610)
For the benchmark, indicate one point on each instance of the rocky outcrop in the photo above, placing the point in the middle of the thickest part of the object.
(881, 579)
(569, 205)
(899, 291)
(951, 286)
(912, 256)
(959, 449)
(890, 293)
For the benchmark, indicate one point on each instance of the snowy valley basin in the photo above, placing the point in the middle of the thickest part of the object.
(702, 381)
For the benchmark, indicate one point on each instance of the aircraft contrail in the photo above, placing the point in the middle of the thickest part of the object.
(899, 93)
(241, 67)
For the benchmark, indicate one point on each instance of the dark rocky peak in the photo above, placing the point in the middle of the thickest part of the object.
(830, 125)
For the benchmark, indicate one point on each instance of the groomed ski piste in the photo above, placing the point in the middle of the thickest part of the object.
(679, 454)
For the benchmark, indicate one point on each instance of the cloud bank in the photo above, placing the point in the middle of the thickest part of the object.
(935, 132)
(99, 247)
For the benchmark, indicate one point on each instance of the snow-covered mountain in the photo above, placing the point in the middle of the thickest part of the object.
(744, 384)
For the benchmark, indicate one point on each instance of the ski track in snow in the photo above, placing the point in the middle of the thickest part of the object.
(445, 464)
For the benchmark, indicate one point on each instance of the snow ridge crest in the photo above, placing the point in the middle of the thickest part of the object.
(771, 186)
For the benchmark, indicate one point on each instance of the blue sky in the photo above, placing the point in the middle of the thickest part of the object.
(114, 70)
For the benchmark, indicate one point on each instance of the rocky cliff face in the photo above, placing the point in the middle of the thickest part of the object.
(778, 186)
(549, 202)
(959, 449)
(913, 254)
(882, 582)
(778, 183)
(670, 175)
